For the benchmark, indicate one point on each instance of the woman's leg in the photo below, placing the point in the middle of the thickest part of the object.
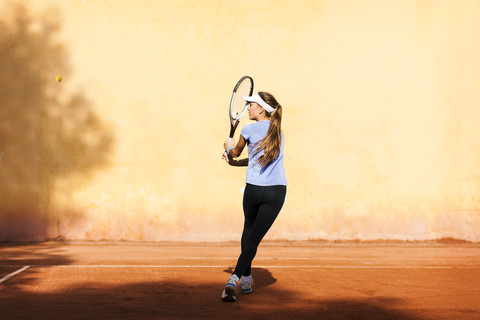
(250, 211)
(269, 201)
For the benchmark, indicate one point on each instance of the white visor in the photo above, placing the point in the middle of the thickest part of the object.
(256, 98)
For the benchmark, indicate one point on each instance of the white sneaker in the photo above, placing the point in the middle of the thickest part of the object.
(228, 294)
(246, 285)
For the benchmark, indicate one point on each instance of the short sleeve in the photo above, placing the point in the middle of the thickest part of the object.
(246, 132)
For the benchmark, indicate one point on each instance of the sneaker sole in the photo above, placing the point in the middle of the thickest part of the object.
(247, 291)
(228, 295)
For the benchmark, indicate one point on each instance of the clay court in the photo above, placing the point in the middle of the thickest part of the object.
(307, 280)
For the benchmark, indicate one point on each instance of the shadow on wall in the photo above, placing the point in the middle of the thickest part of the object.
(45, 134)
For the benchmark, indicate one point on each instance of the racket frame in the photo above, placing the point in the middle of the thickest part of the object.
(235, 120)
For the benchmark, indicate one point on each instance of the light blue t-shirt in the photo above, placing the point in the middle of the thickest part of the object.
(273, 173)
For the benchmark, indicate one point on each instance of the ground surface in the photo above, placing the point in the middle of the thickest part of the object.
(104, 280)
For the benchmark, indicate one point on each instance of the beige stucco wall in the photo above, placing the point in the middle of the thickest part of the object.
(381, 112)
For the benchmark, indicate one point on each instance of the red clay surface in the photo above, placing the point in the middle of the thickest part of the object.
(104, 280)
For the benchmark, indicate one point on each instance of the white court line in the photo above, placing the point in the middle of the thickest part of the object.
(14, 274)
(255, 266)
(268, 258)
(258, 258)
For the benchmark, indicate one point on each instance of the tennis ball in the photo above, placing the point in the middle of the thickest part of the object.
(59, 78)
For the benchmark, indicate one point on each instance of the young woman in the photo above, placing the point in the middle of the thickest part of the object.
(266, 182)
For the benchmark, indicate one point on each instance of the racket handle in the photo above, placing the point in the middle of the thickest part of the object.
(232, 129)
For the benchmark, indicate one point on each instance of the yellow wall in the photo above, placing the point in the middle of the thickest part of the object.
(381, 112)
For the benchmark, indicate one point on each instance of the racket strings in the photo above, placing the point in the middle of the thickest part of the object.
(238, 104)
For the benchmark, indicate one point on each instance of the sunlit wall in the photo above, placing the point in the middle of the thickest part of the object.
(381, 112)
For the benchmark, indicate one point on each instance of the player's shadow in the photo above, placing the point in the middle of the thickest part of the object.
(51, 139)
(261, 277)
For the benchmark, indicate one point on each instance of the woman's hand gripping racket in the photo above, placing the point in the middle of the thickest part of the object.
(238, 105)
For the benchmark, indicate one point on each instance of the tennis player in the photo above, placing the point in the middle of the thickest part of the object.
(266, 182)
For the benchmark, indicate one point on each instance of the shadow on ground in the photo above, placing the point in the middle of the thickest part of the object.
(263, 277)
(186, 300)
(49, 253)
(15, 256)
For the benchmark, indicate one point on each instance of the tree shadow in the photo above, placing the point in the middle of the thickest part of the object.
(18, 255)
(46, 132)
(49, 253)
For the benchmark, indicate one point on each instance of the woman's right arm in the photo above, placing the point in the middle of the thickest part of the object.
(235, 163)
(235, 152)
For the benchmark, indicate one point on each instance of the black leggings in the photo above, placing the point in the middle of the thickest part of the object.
(261, 206)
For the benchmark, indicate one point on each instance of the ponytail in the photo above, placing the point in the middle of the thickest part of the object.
(272, 141)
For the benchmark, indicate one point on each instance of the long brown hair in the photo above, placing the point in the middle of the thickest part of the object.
(272, 141)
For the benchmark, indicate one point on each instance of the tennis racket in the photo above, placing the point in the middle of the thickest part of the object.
(238, 106)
